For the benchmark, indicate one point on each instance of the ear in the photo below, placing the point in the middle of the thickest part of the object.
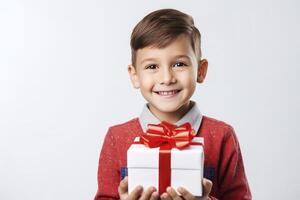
(133, 76)
(202, 69)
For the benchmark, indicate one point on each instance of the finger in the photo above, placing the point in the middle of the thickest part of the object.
(136, 193)
(165, 196)
(173, 194)
(123, 186)
(154, 196)
(207, 185)
(185, 193)
(147, 194)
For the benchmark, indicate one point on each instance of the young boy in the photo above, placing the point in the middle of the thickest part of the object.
(166, 65)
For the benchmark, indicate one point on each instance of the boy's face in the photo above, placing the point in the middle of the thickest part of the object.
(167, 76)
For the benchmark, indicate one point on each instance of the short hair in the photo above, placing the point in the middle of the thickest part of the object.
(160, 28)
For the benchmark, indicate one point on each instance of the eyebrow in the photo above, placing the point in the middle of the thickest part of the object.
(176, 57)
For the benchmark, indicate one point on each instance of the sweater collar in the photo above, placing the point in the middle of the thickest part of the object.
(193, 116)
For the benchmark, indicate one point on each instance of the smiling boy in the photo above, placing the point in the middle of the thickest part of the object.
(166, 66)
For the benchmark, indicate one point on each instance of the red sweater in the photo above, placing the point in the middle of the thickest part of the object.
(223, 163)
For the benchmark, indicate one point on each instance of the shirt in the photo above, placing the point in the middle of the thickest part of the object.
(193, 116)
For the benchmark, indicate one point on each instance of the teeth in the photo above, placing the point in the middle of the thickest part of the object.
(166, 93)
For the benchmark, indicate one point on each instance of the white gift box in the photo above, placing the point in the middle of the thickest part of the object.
(186, 167)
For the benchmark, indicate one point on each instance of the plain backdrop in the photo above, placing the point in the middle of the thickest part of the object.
(63, 82)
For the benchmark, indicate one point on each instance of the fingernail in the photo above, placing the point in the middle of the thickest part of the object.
(164, 195)
(168, 189)
(155, 194)
(180, 189)
(139, 188)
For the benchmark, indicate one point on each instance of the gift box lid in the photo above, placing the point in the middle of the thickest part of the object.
(191, 157)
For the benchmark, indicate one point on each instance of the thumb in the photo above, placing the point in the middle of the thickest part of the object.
(207, 185)
(123, 188)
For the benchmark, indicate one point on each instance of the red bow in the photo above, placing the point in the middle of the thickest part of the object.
(169, 135)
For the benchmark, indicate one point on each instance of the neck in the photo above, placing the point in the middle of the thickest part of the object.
(172, 117)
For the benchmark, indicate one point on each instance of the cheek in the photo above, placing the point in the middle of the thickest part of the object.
(191, 85)
(146, 82)
(188, 79)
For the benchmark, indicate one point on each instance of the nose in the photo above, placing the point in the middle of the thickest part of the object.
(167, 76)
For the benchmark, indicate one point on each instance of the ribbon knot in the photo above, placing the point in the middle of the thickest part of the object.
(168, 135)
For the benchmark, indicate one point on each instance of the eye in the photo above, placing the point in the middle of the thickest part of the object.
(152, 67)
(180, 64)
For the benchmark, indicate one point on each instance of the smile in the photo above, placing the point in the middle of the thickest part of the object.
(167, 93)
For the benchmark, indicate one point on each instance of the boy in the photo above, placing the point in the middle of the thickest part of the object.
(166, 65)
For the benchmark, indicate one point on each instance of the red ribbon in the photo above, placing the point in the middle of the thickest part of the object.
(167, 136)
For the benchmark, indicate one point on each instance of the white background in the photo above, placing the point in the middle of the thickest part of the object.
(63, 82)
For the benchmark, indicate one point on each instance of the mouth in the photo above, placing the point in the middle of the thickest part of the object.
(167, 93)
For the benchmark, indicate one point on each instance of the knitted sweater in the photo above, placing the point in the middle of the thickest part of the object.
(223, 163)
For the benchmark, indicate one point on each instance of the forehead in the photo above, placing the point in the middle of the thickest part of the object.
(180, 46)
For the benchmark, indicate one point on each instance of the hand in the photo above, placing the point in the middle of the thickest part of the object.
(137, 193)
(171, 194)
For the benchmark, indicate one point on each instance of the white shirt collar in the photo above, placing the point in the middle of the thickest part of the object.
(193, 116)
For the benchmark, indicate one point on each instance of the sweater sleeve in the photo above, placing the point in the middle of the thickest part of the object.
(232, 178)
(108, 170)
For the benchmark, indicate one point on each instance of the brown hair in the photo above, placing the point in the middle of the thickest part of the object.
(160, 28)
